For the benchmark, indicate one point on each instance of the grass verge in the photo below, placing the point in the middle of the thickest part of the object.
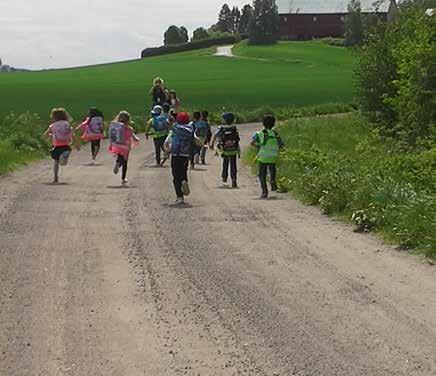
(341, 165)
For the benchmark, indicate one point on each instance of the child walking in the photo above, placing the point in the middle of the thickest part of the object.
(179, 143)
(93, 130)
(158, 126)
(228, 146)
(204, 129)
(195, 157)
(268, 143)
(122, 137)
(62, 136)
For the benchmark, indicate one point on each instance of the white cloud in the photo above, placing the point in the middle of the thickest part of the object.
(59, 33)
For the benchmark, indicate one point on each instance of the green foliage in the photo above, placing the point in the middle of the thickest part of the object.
(396, 77)
(175, 35)
(22, 140)
(245, 20)
(269, 76)
(225, 20)
(338, 164)
(200, 34)
(265, 22)
(337, 42)
(354, 32)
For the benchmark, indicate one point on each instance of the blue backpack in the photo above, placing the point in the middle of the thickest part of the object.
(201, 128)
(183, 140)
(161, 123)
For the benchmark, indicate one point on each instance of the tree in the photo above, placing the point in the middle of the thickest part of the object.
(246, 16)
(175, 35)
(236, 18)
(200, 34)
(225, 21)
(354, 33)
(265, 23)
(184, 34)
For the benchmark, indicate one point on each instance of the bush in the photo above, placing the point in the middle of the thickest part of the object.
(197, 45)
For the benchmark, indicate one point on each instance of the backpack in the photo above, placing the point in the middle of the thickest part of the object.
(230, 138)
(61, 131)
(96, 125)
(117, 133)
(183, 140)
(161, 123)
(201, 128)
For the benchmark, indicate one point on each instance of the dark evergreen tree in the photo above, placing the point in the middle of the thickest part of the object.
(246, 16)
(225, 21)
(265, 23)
(236, 18)
(172, 36)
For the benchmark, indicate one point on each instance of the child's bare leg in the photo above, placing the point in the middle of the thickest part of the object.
(56, 171)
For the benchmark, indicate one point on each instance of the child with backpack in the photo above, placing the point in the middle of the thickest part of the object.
(174, 101)
(62, 136)
(179, 143)
(195, 157)
(204, 124)
(228, 146)
(268, 143)
(158, 126)
(122, 137)
(93, 130)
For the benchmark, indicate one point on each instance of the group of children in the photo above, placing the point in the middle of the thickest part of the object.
(177, 137)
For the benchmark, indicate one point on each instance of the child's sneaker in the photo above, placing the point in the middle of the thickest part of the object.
(234, 184)
(197, 159)
(124, 181)
(185, 188)
(116, 168)
(180, 200)
(273, 187)
(63, 159)
(264, 196)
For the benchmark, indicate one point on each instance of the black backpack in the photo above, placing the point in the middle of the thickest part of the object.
(230, 138)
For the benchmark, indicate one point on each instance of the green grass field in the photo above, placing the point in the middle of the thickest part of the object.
(294, 74)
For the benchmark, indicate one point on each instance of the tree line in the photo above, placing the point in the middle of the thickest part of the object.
(259, 22)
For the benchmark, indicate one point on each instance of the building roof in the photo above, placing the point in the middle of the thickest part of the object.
(325, 6)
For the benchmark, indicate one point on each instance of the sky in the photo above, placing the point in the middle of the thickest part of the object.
(40, 34)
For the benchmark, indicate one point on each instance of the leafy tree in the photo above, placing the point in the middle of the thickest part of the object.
(397, 77)
(246, 16)
(200, 34)
(225, 20)
(236, 18)
(265, 23)
(354, 32)
(172, 36)
(184, 34)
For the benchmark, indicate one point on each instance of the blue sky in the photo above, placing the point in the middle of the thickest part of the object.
(40, 34)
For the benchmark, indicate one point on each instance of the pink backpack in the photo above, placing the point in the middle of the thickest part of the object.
(62, 132)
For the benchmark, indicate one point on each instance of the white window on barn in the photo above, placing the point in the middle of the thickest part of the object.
(285, 19)
(315, 18)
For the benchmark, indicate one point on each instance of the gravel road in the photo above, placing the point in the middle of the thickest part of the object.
(100, 280)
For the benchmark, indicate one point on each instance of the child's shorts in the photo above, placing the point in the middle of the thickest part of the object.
(57, 151)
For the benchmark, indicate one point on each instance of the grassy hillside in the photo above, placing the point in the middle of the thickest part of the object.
(294, 74)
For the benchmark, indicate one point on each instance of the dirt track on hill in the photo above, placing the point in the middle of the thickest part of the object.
(98, 280)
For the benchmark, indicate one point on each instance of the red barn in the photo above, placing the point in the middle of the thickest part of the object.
(308, 19)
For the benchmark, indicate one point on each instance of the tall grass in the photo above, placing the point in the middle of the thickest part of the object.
(342, 166)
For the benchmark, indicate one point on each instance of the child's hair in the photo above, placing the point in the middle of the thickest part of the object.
(59, 114)
(158, 81)
(205, 114)
(196, 115)
(123, 117)
(166, 108)
(94, 112)
(229, 118)
(269, 121)
(173, 92)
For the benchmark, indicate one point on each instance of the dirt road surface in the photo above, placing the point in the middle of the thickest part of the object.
(99, 280)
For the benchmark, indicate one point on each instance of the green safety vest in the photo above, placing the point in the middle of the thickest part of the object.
(268, 146)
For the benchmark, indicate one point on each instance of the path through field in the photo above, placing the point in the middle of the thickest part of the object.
(98, 280)
(225, 51)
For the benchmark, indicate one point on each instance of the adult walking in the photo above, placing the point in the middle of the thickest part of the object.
(159, 94)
